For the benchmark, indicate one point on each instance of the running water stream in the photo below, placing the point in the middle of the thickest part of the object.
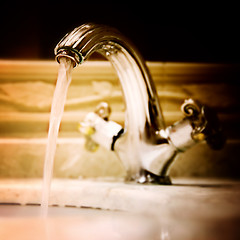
(57, 108)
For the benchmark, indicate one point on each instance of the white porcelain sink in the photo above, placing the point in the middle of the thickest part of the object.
(208, 209)
(23, 222)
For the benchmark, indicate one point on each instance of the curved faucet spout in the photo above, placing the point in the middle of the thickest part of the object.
(143, 120)
(144, 146)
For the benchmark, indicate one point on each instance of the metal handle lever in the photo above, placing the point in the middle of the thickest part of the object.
(205, 123)
(98, 130)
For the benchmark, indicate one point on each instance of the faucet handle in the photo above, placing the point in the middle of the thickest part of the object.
(205, 123)
(86, 128)
(98, 130)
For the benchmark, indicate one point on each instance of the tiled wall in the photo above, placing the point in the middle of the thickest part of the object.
(26, 90)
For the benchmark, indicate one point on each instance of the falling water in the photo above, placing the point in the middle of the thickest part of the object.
(59, 98)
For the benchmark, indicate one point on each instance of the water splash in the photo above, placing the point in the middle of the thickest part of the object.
(59, 99)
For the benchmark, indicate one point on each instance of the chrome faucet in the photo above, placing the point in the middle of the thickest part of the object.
(144, 145)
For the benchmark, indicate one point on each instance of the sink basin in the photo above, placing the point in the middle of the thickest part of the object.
(72, 223)
(67, 218)
(96, 209)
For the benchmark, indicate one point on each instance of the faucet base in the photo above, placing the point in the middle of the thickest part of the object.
(148, 177)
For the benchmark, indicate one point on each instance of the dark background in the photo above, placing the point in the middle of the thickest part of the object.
(200, 33)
